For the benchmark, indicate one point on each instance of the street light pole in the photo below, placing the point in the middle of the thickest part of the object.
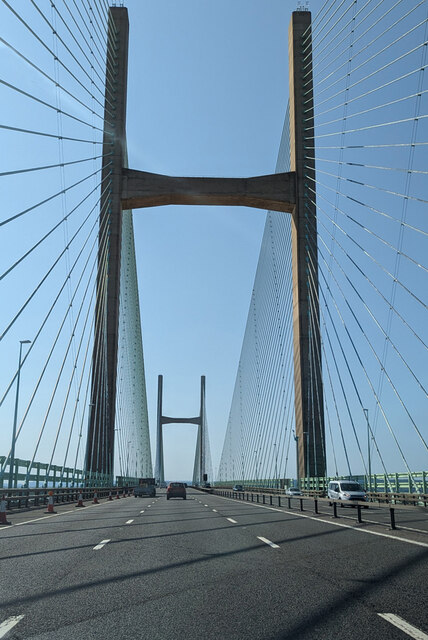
(276, 465)
(306, 433)
(366, 411)
(15, 418)
(296, 438)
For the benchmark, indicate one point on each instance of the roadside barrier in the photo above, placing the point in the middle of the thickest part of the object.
(3, 519)
(305, 501)
(50, 503)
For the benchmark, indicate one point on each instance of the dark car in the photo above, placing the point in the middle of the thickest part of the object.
(238, 487)
(176, 490)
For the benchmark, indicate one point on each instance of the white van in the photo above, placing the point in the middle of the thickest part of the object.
(346, 490)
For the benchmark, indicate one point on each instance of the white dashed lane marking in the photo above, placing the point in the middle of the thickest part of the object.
(398, 622)
(129, 521)
(100, 545)
(232, 520)
(142, 511)
(8, 624)
(215, 510)
(269, 542)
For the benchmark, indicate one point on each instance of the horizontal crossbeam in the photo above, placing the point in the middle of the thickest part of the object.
(166, 420)
(275, 192)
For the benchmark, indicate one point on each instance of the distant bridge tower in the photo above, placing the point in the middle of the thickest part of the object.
(201, 442)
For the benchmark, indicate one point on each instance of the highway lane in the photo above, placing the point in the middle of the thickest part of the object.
(204, 568)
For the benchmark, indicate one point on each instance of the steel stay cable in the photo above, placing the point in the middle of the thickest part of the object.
(55, 195)
(369, 207)
(364, 274)
(317, 53)
(368, 127)
(369, 166)
(53, 166)
(78, 394)
(57, 335)
(56, 57)
(371, 186)
(364, 111)
(85, 23)
(48, 314)
(52, 80)
(377, 399)
(373, 73)
(49, 135)
(305, 39)
(338, 43)
(74, 367)
(378, 87)
(51, 268)
(48, 105)
(370, 256)
(59, 14)
(60, 62)
(371, 314)
(103, 57)
(49, 233)
(369, 44)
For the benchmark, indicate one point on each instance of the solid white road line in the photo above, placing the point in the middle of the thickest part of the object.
(102, 543)
(129, 521)
(269, 542)
(411, 631)
(8, 624)
(232, 520)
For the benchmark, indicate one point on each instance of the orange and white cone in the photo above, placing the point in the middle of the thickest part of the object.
(117, 495)
(80, 500)
(95, 500)
(109, 496)
(3, 519)
(50, 503)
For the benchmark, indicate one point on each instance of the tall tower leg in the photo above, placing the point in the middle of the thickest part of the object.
(100, 442)
(309, 407)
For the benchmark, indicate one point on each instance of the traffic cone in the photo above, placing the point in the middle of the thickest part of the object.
(109, 496)
(50, 503)
(80, 500)
(3, 519)
(117, 495)
(95, 500)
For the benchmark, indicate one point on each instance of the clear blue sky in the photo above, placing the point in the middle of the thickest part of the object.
(207, 93)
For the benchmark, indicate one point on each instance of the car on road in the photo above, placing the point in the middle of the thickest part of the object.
(347, 490)
(176, 490)
(238, 487)
(293, 491)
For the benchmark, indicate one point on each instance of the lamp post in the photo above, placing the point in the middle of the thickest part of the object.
(366, 411)
(296, 438)
(275, 453)
(306, 433)
(15, 418)
(127, 460)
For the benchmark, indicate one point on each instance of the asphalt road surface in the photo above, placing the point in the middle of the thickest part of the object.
(208, 568)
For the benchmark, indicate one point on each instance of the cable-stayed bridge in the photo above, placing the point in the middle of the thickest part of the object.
(333, 361)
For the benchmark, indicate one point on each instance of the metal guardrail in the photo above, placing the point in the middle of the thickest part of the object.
(27, 498)
(284, 500)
